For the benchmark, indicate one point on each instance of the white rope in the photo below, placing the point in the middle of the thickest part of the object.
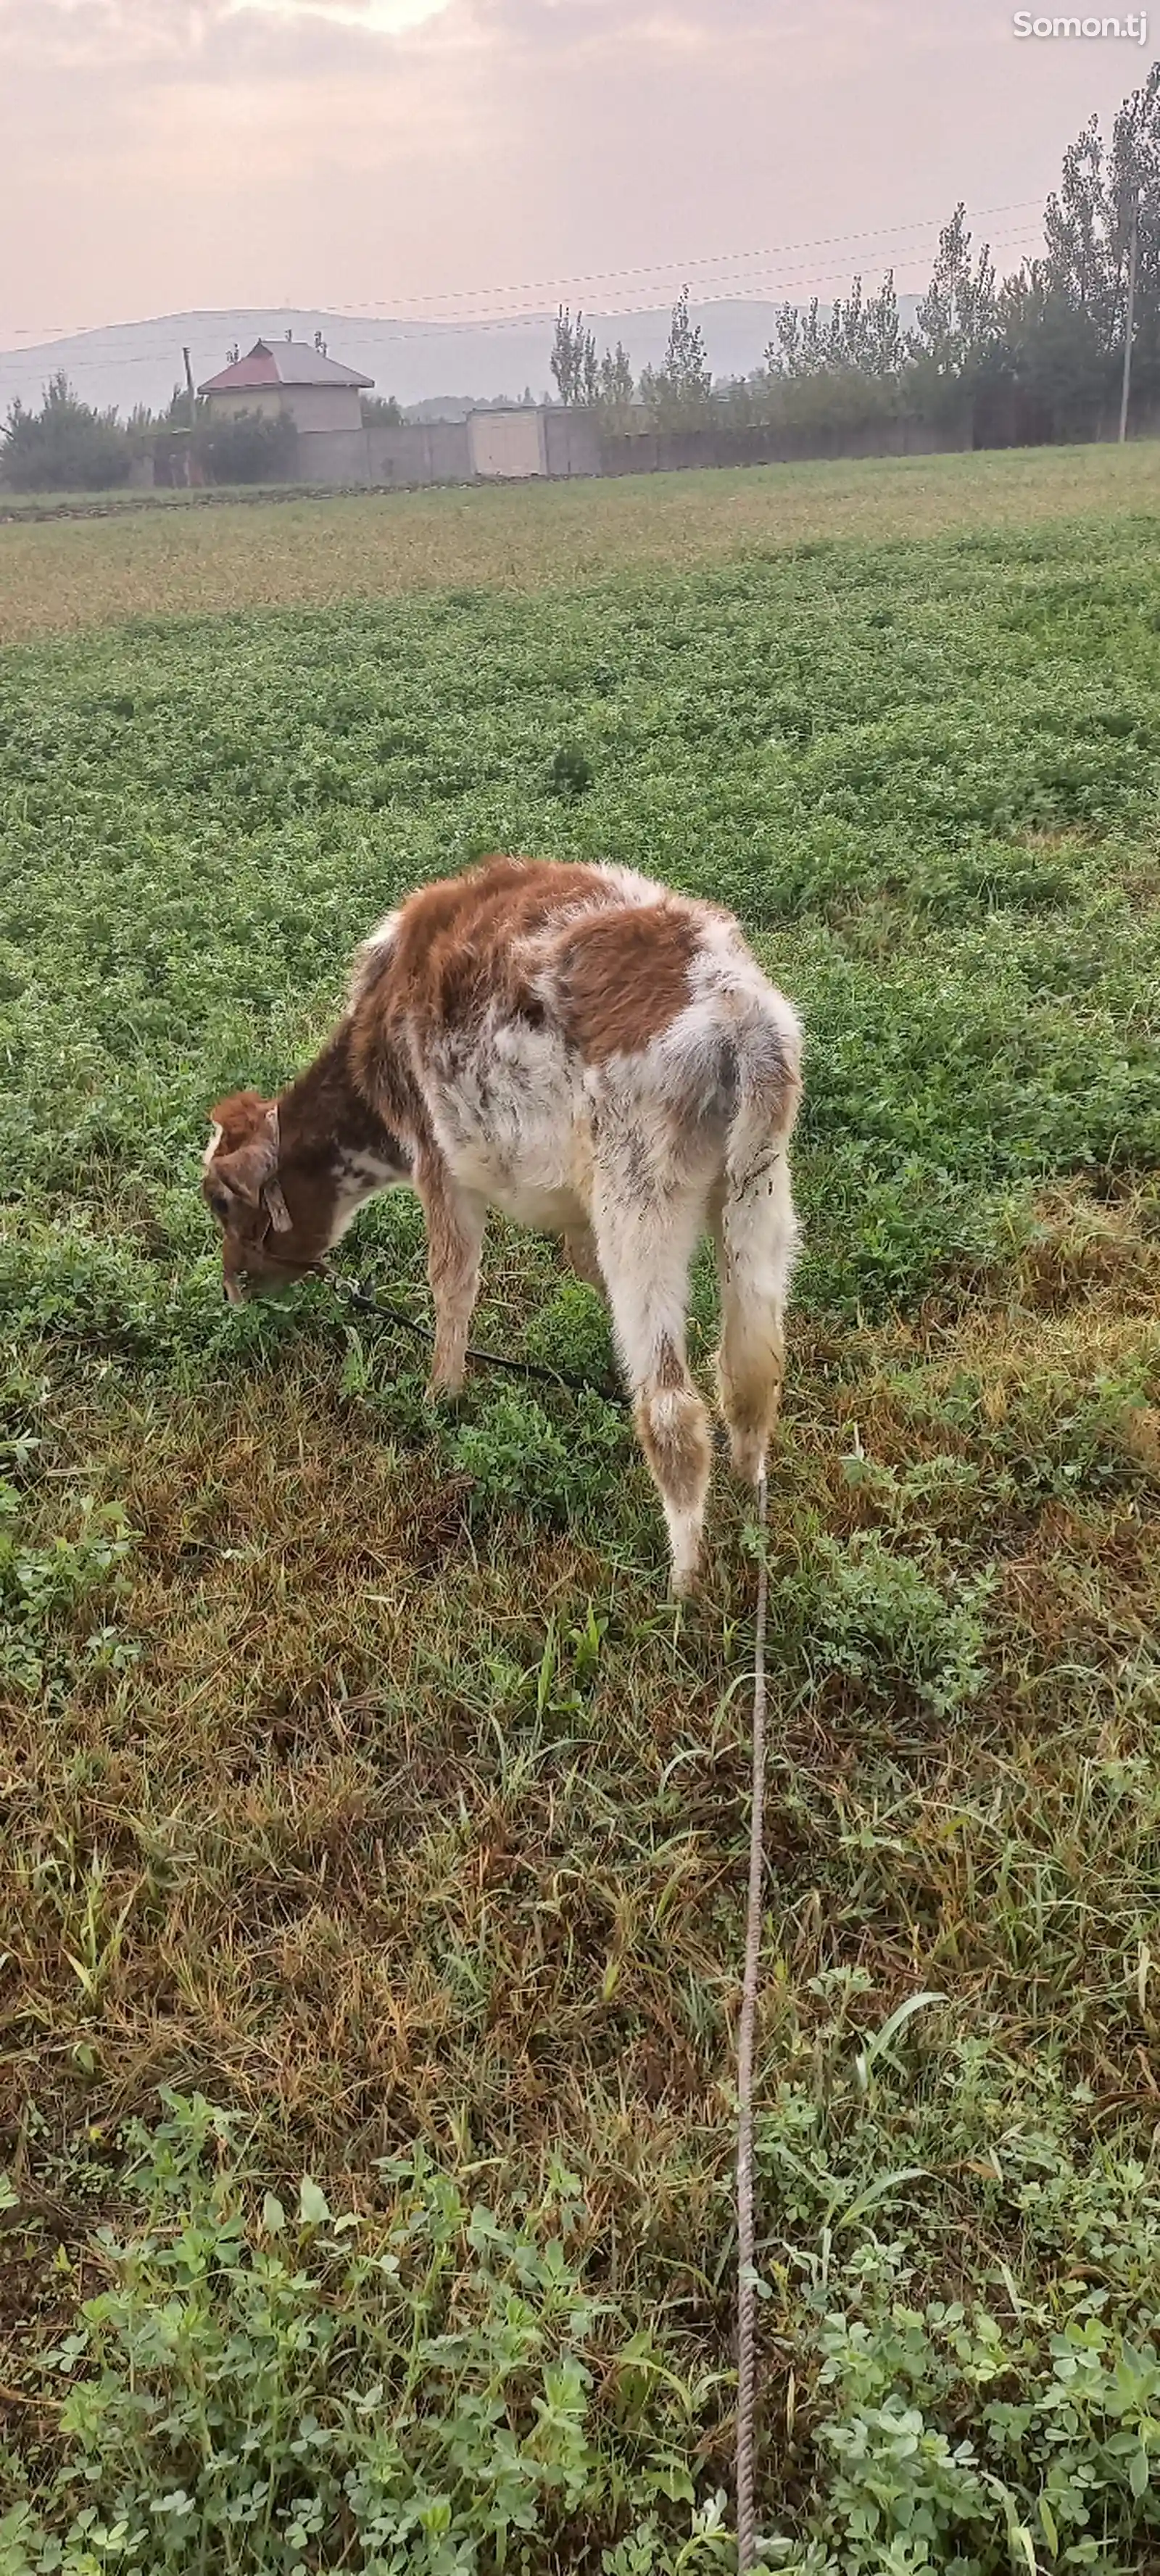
(746, 2297)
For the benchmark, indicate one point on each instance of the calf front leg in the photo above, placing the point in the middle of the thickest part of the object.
(455, 1223)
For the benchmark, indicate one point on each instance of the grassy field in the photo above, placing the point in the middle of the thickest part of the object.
(190, 561)
(372, 1868)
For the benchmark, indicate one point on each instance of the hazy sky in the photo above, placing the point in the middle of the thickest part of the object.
(465, 157)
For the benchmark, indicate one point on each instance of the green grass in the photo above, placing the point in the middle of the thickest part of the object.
(304, 550)
(356, 1778)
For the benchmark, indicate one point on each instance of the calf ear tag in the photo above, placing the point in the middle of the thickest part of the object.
(275, 1204)
(272, 1197)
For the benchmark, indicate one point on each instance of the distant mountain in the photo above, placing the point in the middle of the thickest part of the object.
(141, 362)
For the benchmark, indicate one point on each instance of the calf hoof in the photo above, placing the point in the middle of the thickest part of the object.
(748, 1451)
(684, 1578)
(442, 1392)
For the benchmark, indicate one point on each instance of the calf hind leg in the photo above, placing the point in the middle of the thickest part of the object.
(757, 1238)
(644, 1254)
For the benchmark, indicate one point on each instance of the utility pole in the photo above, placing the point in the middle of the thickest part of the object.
(189, 385)
(1133, 257)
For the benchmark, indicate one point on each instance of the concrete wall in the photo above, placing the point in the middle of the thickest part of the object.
(332, 456)
(418, 452)
(507, 446)
(310, 407)
(571, 442)
(421, 451)
(680, 450)
(487, 447)
(335, 407)
(514, 445)
(1008, 417)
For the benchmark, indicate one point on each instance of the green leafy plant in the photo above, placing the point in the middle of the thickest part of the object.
(874, 1614)
(519, 1459)
(267, 2389)
(66, 446)
(254, 447)
(41, 1587)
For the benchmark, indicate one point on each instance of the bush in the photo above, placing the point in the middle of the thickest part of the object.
(250, 449)
(66, 446)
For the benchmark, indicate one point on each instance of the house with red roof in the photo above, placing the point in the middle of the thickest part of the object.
(290, 378)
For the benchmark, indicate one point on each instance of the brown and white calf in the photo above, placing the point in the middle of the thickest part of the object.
(599, 1058)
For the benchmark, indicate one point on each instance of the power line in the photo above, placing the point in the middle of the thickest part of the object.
(484, 325)
(751, 293)
(741, 295)
(708, 259)
(595, 277)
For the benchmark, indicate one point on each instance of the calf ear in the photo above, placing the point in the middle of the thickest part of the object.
(237, 1116)
(247, 1169)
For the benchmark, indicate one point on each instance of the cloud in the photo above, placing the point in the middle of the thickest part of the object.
(370, 17)
(203, 37)
(168, 35)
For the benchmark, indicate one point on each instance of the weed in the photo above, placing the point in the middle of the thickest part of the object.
(41, 1586)
(516, 1458)
(875, 1617)
(417, 2390)
(571, 771)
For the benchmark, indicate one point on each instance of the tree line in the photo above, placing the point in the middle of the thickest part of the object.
(1041, 350)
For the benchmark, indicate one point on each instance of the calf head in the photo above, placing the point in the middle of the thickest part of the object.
(269, 1225)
